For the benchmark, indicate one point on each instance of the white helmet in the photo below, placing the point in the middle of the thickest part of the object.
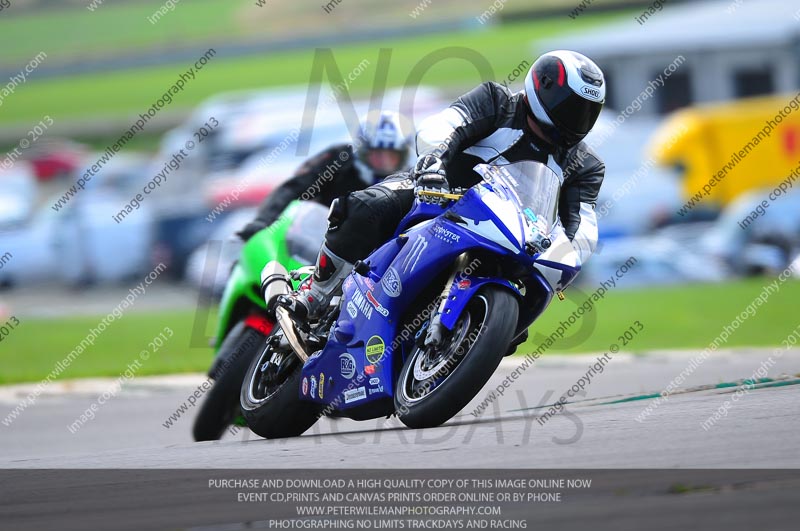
(383, 131)
(565, 92)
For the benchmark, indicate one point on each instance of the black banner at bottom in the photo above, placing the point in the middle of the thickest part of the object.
(398, 499)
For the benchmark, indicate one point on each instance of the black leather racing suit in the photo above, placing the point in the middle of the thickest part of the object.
(487, 124)
(332, 173)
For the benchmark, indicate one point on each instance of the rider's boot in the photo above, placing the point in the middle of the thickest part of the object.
(314, 295)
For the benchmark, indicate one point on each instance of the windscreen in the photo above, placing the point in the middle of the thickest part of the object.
(532, 185)
(307, 231)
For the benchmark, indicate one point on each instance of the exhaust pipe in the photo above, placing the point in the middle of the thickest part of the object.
(274, 282)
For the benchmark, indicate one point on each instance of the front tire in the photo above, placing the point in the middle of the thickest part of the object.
(221, 404)
(270, 398)
(434, 386)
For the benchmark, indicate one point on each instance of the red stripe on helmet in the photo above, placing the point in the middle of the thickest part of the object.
(561, 74)
(535, 80)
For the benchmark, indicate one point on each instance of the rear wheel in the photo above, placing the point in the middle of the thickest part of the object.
(434, 385)
(221, 405)
(270, 398)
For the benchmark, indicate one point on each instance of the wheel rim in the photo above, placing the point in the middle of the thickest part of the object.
(429, 370)
(269, 375)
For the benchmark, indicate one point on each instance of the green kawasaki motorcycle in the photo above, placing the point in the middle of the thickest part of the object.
(243, 324)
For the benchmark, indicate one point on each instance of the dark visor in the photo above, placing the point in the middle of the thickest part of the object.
(569, 111)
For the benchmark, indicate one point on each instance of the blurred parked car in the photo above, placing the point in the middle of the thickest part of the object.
(795, 266)
(79, 244)
(765, 243)
(17, 194)
(209, 266)
(255, 179)
(53, 158)
(126, 173)
(661, 259)
(742, 241)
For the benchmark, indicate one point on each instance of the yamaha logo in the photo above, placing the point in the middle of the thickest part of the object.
(593, 92)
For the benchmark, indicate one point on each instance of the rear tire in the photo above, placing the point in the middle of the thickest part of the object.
(275, 410)
(425, 396)
(221, 405)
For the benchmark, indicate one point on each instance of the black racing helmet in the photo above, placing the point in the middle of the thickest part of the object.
(565, 92)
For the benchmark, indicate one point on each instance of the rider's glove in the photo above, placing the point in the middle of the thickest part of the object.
(428, 164)
(431, 182)
(429, 175)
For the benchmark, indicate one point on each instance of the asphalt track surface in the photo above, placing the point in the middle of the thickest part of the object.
(761, 429)
(759, 435)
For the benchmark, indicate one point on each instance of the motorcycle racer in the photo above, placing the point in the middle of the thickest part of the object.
(546, 122)
(382, 149)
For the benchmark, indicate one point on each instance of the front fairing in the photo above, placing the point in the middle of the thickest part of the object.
(502, 208)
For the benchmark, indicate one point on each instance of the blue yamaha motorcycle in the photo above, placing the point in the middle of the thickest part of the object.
(423, 322)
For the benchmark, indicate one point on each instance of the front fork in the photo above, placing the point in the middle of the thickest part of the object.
(274, 283)
(435, 335)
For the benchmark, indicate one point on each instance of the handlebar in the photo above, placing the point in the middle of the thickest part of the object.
(438, 195)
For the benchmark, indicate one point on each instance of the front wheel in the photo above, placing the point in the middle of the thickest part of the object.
(434, 385)
(270, 392)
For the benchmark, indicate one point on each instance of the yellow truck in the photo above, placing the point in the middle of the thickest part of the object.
(724, 150)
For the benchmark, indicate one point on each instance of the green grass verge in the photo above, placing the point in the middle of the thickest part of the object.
(30, 352)
(130, 92)
(68, 31)
(673, 317)
(684, 317)
(73, 32)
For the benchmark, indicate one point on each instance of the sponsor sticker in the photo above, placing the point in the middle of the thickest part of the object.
(347, 366)
(369, 369)
(377, 305)
(305, 386)
(391, 283)
(351, 309)
(355, 394)
(313, 386)
(375, 349)
(374, 390)
(446, 235)
(360, 302)
(321, 384)
(464, 284)
(374, 381)
(414, 254)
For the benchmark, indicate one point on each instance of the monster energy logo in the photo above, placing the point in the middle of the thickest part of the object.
(410, 262)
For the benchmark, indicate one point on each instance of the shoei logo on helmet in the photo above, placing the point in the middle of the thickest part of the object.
(591, 92)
